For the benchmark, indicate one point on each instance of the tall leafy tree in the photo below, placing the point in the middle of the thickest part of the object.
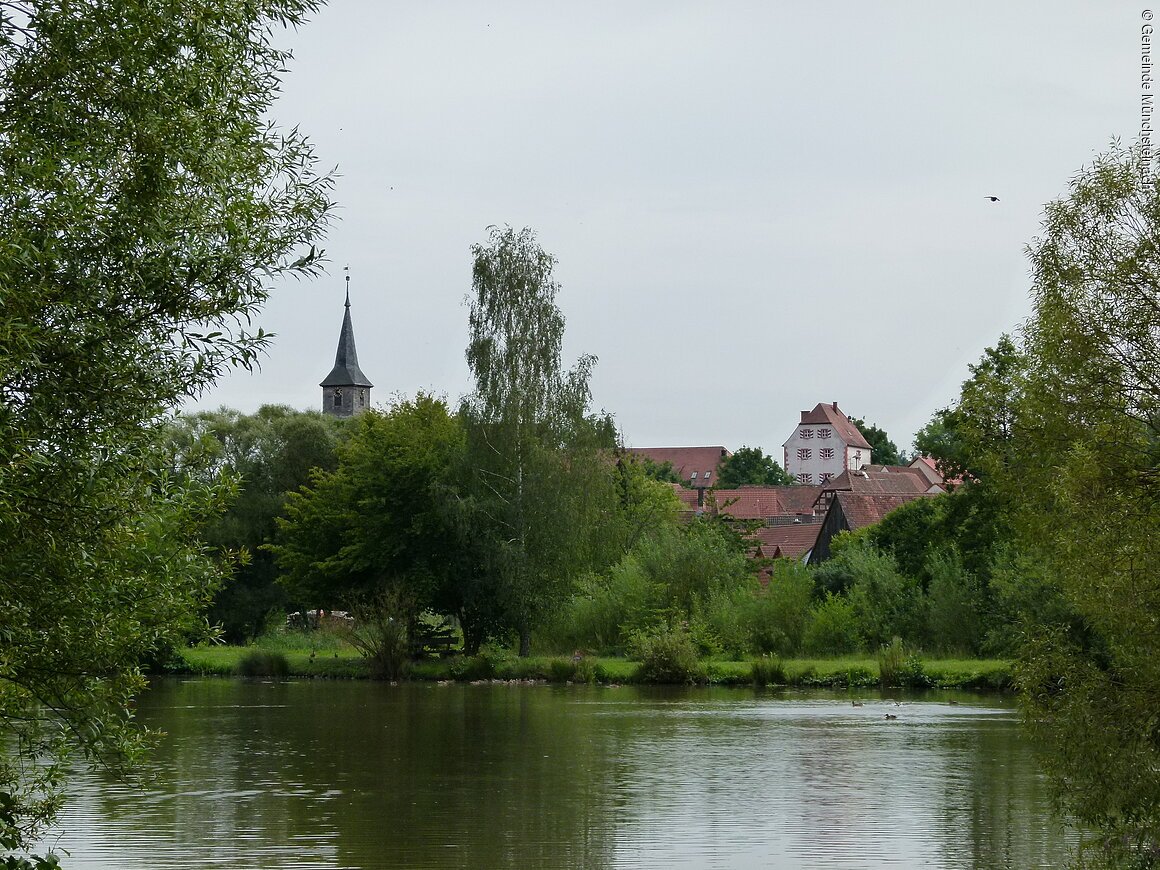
(539, 464)
(270, 453)
(752, 466)
(976, 437)
(145, 204)
(882, 450)
(1089, 431)
(381, 521)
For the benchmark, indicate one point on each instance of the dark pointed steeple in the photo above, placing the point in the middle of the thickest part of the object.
(346, 390)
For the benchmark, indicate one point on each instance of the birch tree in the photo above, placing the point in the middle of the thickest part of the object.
(536, 477)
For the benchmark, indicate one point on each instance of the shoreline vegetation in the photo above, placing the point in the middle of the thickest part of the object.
(341, 662)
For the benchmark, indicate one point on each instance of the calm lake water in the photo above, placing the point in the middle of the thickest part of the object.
(359, 775)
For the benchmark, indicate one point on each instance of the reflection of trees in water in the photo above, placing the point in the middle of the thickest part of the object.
(820, 783)
(1008, 825)
(367, 775)
(379, 776)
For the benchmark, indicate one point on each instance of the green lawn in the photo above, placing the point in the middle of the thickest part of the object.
(336, 660)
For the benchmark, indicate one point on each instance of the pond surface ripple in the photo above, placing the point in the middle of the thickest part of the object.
(360, 775)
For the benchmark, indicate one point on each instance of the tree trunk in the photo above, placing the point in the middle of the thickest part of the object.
(525, 642)
(472, 636)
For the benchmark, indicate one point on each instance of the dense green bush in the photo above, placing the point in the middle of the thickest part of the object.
(578, 670)
(954, 605)
(694, 565)
(768, 671)
(832, 628)
(605, 609)
(697, 574)
(666, 655)
(886, 602)
(484, 666)
(900, 668)
(780, 612)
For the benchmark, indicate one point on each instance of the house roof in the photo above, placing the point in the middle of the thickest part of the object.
(926, 466)
(881, 479)
(829, 413)
(750, 502)
(686, 460)
(687, 496)
(863, 509)
(797, 499)
(792, 541)
(346, 372)
(760, 502)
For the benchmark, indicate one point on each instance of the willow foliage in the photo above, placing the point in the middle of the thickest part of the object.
(145, 204)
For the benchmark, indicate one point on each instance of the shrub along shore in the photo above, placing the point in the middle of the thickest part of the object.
(340, 662)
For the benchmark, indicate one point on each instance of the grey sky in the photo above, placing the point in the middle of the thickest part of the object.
(755, 206)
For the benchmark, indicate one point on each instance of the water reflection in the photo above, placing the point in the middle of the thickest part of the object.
(357, 775)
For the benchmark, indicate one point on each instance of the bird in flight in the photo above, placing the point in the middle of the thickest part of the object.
(992, 198)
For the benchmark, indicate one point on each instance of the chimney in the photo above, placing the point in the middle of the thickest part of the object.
(835, 406)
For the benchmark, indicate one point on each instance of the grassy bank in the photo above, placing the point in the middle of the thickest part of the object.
(341, 662)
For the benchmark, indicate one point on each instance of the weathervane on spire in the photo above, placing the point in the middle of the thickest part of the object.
(347, 270)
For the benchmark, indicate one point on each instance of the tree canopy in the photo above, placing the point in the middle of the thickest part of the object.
(751, 466)
(537, 461)
(380, 521)
(1055, 434)
(883, 451)
(146, 202)
(1085, 434)
(269, 454)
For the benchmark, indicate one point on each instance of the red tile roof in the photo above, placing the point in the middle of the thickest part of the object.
(760, 502)
(687, 496)
(686, 460)
(847, 431)
(880, 479)
(928, 466)
(749, 502)
(861, 509)
(797, 499)
(791, 541)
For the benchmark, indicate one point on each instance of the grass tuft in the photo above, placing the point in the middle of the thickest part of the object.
(263, 663)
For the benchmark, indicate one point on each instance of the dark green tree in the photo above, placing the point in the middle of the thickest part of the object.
(270, 453)
(1086, 436)
(976, 438)
(661, 471)
(146, 203)
(539, 465)
(382, 521)
(750, 466)
(883, 451)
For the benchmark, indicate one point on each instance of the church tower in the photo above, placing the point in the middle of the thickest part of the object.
(346, 390)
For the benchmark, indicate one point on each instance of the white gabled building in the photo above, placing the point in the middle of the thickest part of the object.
(823, 445)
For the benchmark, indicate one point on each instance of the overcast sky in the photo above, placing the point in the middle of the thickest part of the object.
(755, 206)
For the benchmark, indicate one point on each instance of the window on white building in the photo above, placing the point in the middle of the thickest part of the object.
(805, 477)
(804, 453)
(824, 433)
(806, 433)
(826, 453)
